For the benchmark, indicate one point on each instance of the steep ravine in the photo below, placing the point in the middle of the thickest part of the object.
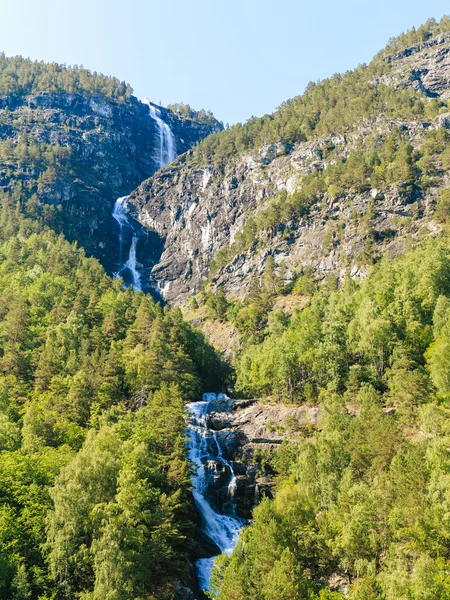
(214, 487)
(138, 248)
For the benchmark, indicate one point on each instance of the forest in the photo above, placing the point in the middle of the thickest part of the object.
(94, 478)
(185, 111)
(364, 495)
(95, 483)
(361, 509)
(20, 76)
(335, 104)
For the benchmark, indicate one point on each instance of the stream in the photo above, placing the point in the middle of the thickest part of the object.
(214, 485)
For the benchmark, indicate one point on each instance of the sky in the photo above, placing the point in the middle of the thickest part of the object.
(238, 58)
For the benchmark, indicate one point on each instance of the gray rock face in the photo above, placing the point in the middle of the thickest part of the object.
(113, 147)
(197, 209)
(195, 212)
(424, 67)
(245, 428)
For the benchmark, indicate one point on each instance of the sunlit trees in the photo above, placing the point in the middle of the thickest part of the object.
(365, 495)
(94, 483)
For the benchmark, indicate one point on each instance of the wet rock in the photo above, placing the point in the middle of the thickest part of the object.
(218, 474)
(247, 427)
(264, 488)
(204, 545)
(183, 593)
(240, 468)
(219, 421)
(230, 441)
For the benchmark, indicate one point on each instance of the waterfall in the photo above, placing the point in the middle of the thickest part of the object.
(131, 265)
(166, 152)
(120, 214)
(121, 217)
(220, 523)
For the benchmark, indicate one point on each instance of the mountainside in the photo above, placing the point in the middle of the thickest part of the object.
(312, 246)
(332, 180)
(72, 142)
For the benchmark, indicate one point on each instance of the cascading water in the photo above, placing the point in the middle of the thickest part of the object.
(120, 214)
(220, 522)
(131, 264)
(121, 217)
(167, 151)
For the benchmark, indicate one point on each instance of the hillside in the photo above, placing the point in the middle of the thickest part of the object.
(93, 381)
(335, 178)
(318, 236)
(72, 142)
(93, 377)
(312, 246)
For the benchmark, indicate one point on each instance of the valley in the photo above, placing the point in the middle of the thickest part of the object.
(225, 351)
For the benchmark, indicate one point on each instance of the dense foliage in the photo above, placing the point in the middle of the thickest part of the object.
(416, 37)
(94, 483)
(322, 109)
(362, 501)
(185, 111)
(334, 105)
(365, 498)
(363, 330)
(95, 499)
(20, 76)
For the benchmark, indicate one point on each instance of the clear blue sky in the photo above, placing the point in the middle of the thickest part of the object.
(236, 57)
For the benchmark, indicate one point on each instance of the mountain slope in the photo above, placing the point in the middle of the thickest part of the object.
(72, 142)
(93, 381)
(332, 180)
(95, 486)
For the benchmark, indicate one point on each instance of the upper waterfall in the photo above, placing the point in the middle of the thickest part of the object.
(166, 152)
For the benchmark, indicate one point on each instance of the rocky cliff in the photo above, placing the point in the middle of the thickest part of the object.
(199, 205)
(250, 434)
(77, 153)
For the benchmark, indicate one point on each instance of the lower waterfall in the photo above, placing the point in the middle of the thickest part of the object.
(128, 270)
(219, 520)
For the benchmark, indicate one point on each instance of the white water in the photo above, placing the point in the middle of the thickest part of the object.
(131, 265)
(204, 447)
(167, 151)
(120, 214)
